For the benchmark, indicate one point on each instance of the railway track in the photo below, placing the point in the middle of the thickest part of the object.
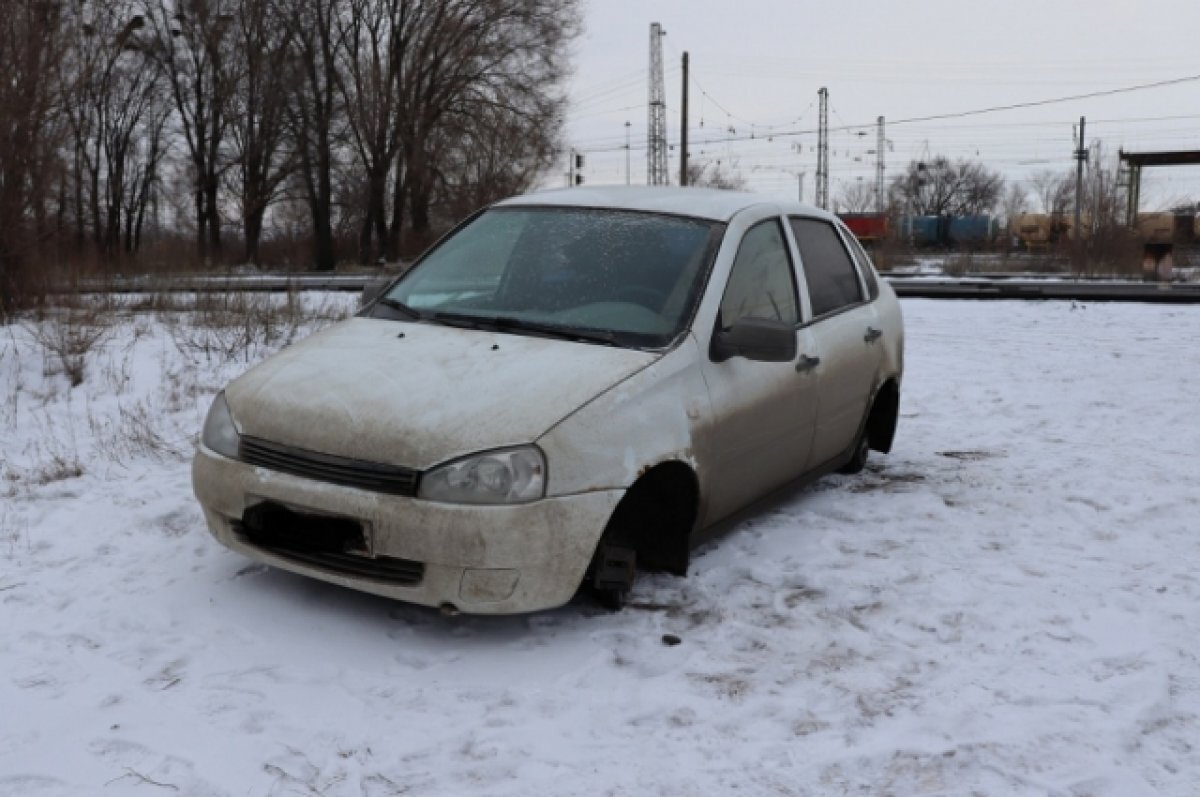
(991, 287)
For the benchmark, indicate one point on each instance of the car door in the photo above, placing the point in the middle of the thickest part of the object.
(763, 412)
(846, 334)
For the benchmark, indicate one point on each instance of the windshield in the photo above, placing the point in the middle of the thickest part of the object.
(634, 277)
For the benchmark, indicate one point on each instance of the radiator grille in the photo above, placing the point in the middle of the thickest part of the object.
(329, 468)
(402, 572)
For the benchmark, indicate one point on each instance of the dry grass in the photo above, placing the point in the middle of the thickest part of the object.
(186, 345)
(140, 429)
(226, 327)
(68, 337)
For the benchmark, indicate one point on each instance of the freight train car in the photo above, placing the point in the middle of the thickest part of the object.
(1039, 231)
(1164, 228)
(867, 227)
(967, 231)
(950, 232)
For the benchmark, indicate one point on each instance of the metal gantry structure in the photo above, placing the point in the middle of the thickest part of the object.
(656, 143)
(1132, 164)
(823, 152)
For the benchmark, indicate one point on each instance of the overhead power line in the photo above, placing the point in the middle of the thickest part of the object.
(1036, 103)
(953, 115)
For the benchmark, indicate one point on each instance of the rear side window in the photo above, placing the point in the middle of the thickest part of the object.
(864, 265)
(828, 271)
(761, 283)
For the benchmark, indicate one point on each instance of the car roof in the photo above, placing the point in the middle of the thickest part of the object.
(705, 203)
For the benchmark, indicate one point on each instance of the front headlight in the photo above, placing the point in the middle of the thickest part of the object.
(220, 434)
(508, 476)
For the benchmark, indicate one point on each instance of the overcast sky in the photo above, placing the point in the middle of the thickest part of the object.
(757, 65)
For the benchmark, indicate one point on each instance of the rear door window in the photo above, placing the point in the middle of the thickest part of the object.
(828, 270)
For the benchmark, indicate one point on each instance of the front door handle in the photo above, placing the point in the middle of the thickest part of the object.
(807, 363)
(872, 335)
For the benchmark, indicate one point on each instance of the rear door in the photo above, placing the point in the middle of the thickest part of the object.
(845, 331)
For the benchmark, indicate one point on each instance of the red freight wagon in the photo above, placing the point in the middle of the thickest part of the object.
(867, 227)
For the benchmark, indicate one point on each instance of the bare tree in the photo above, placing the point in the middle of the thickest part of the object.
(117, 114)
(857, 196)
(495, 154)
(941, 188)
(31, 39)
(259, 91)
(470, 61)
(314, 111)
(1015, 202)
(187, 39)
(1055, 191)
(715, 174)
(377, 35)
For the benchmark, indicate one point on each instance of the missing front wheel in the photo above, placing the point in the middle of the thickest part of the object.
(613, 573)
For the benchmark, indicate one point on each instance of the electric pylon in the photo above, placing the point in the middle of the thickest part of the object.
(656, 145)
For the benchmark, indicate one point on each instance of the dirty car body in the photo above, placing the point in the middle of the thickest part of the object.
(566, 389)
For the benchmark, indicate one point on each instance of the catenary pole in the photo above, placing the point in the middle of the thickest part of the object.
(683, 127)
(1080, 158)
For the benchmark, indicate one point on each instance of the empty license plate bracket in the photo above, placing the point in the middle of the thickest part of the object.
(272, 525)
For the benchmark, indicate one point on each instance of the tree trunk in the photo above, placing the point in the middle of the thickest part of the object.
(375, 223)
(214, 218)
(399, 196)
(252, 225)
(324, 256)
(365, 232)
(418, 203)
(201, 226)
(380, 214)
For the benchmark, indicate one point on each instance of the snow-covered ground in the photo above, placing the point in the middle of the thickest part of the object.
(1005, 605)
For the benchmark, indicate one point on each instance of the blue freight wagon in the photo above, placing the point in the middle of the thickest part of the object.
(949, 232)
(971, 230)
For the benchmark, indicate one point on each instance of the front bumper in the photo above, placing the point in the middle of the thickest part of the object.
(480, 559)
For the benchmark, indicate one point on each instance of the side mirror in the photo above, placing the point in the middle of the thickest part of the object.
(372, 289)
(758, 339)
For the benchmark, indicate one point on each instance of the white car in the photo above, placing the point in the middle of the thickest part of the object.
(567, 388)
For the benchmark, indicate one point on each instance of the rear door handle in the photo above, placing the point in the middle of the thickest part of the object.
(807, 363)
(872, 335)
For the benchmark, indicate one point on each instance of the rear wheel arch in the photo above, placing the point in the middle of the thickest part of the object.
(885, 412)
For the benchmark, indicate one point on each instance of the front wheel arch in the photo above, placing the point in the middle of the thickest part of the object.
(652, 524)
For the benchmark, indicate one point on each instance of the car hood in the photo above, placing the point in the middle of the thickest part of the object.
(416, 395)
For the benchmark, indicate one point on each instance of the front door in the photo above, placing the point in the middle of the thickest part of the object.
(763, 412)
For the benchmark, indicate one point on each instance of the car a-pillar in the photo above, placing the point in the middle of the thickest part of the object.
(649, 530)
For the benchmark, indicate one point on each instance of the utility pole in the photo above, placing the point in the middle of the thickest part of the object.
(1081, 155)
(656, 149)
(823, 152)
(879, 185)
(627, 152)
(683, 125)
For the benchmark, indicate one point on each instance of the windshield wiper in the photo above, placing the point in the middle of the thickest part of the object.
(399, 306)
(508, 323)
